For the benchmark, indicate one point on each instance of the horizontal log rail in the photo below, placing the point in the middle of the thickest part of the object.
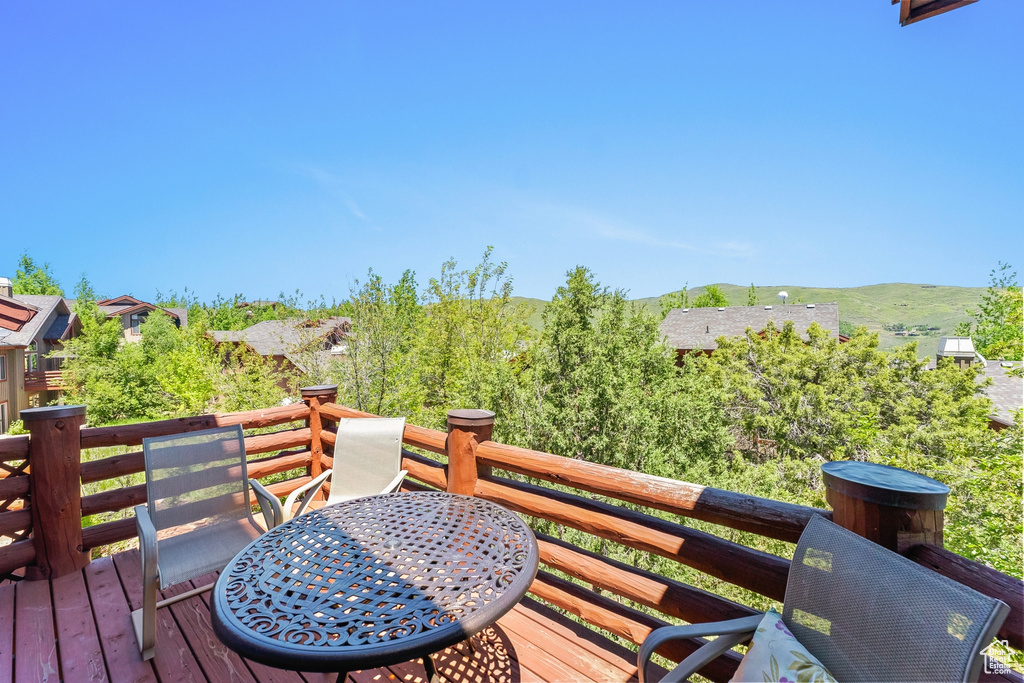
(133, 434)
(13, 487)
(14, 521)
(15, 556)
(737, 564)
(135, 462)
(625, 622)
(982, 579)
(771, 518)
(425, 469)
(669, 597)
(13, 448)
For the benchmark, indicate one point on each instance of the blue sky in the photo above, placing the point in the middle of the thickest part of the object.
(260, 147)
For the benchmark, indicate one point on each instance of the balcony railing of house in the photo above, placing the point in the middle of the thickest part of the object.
(44, 380)
(42, 512)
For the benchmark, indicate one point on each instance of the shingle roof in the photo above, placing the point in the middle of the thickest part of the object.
(58, 327)
(697, 328)
(1006, 392)
(45, 303)
(279, 337)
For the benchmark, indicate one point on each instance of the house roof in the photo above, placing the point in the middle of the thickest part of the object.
(44, 304)
(916, 10)
(698, 328)
(1005, 392)
(124, 305)
(14, 314)
(280, 337)
(60, 329)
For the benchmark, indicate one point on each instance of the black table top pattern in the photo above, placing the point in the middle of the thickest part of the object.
(374, 581)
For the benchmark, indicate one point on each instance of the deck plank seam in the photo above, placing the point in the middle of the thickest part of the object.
(95, 624)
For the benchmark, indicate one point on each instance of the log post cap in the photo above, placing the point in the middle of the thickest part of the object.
(884, 485)
(470, 417)
(319, 390)
(51, 413)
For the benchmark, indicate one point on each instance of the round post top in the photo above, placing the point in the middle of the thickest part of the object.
(884, 485)
(319, 390)
(51, 413)
(470, 417)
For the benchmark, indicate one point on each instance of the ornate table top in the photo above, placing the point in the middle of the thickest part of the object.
(373, 581)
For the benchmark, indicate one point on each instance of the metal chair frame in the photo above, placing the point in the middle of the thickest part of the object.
(989, 612)
(144, 618)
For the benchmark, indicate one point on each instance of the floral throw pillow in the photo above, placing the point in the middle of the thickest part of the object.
(776, 656)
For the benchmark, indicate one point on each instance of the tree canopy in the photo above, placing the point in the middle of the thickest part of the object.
(998, 328)
(31, 279)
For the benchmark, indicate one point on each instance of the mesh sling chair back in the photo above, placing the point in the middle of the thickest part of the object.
(197, 515)
(867, 613)
(367, 462)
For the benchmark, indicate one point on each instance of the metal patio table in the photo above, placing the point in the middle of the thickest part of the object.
(374, 581)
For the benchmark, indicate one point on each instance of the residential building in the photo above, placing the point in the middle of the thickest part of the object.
(1006, 391)
(35, 326)
(289, 342)
(134, 312)
(31, 327)
(690, 330)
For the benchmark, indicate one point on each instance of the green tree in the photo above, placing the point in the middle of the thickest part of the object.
(680, 299)
(31, 279)
(998, 328)
(607, 390)
(472, 335)
(711, 297)
(752, 295)
(379, 372)
(116, 380)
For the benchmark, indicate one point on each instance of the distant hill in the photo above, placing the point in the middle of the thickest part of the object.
(874, 306)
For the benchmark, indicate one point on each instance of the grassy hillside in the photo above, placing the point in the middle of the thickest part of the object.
(873, 306)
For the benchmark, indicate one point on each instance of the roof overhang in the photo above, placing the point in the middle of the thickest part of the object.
(916, 10)
(14, 314)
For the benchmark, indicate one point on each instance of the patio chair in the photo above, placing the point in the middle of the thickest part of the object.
(367, 458)
(865, 612)
(197, 515)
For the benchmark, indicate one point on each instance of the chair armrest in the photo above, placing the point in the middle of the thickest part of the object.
(293, 496)
(270, 506)
(730, 633)
(147, 544)
(396, 482)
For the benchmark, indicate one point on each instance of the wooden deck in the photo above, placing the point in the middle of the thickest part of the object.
(78, 628)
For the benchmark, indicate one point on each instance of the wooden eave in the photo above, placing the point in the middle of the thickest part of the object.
(912, 11)
(141, 306)
(120, 301)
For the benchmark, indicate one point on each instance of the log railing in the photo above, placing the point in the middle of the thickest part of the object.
(620, 507)
(20, 518)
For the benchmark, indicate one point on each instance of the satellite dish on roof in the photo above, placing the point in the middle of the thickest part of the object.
(783, 296)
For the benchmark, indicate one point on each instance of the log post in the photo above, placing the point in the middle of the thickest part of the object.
(314, 397)
(466, 430)
(55, 489)
(894, 508)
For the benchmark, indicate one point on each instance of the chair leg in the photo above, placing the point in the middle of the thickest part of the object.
(144, 621)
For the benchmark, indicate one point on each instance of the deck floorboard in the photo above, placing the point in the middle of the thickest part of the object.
(78, 628)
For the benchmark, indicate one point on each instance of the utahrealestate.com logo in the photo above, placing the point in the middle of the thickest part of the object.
(993, 665)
